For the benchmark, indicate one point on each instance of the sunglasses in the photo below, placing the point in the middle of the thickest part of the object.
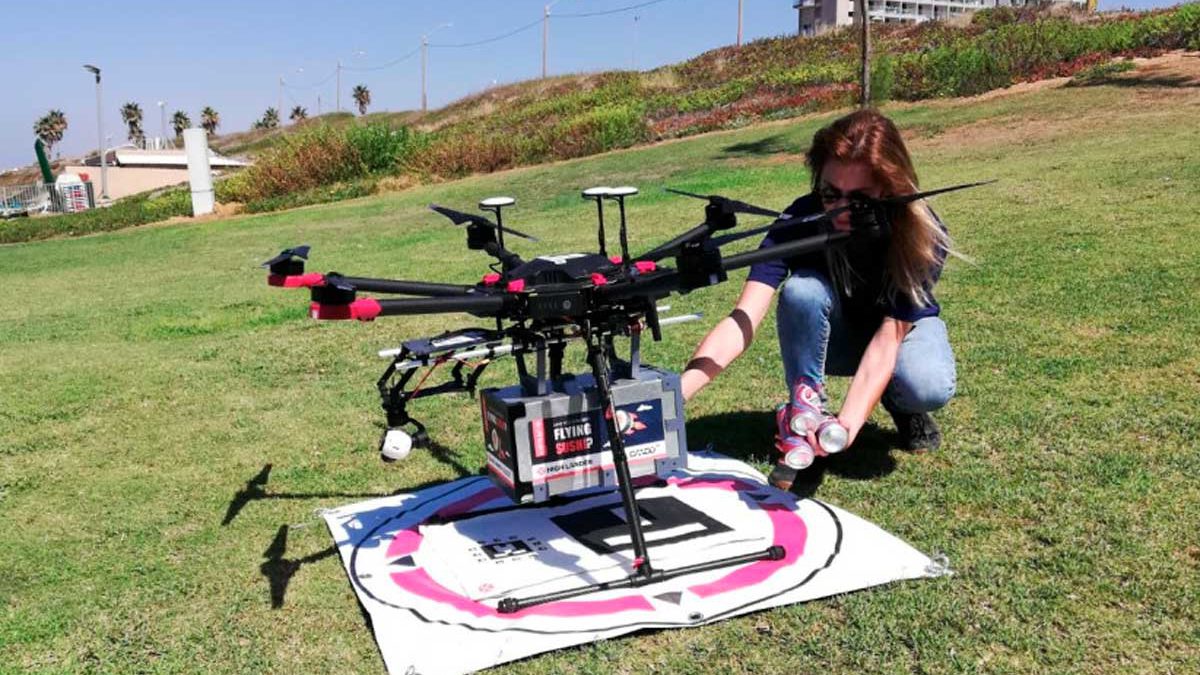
(830, 194)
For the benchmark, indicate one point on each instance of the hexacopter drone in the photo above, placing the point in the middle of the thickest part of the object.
(557, 433)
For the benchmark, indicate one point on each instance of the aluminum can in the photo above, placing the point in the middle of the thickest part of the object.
(808, 414)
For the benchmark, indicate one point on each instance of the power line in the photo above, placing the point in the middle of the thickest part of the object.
(389, 64)
(314, 85)
(489, 40)
(584, 15)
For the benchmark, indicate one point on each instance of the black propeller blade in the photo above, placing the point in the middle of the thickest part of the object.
(834, 213)
(460, 218)
(287, 254)
(728, 205)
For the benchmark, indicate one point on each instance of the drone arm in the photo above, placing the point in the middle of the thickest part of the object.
(786, 250)
(507, 258)
(479, 305)
(672, 247)
(398, 287)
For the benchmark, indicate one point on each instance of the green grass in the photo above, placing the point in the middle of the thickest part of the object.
(148, 374)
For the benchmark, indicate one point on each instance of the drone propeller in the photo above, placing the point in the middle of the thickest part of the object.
(831, 214)
(460, 218)
(727, 205)
(720, 214)
(288, 254)
(286, 262)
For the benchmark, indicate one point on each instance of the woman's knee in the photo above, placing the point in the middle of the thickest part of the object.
(919, 395)
(925, 378)
(806, 294)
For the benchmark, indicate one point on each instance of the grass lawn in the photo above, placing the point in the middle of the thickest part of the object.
(149, 374)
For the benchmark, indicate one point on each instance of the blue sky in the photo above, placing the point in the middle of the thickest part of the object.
(230, 55)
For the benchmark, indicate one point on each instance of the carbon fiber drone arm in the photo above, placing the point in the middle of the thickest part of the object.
(400, 287)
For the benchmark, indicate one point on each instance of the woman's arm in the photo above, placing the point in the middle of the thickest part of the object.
(728, 339)
(873, 374)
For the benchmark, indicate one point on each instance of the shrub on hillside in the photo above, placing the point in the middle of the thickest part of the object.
(381, 149)
(313, 157)
(1172, 29)
(599, 130)
(1099, 73)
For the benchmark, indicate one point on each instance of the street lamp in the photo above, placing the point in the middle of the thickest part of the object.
(100, 134)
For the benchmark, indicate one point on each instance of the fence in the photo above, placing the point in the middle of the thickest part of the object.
(25, 200)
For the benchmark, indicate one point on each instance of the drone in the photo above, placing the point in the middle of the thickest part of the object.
(554, 434)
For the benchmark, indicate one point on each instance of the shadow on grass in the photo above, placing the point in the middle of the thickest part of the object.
(1144, 81)
(750, 437)
(763, 147)
(279, 570)
(256, 488)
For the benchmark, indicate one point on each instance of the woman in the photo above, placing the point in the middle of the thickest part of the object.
(865, 308)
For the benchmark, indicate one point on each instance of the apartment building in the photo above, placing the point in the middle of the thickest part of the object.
(818, 16)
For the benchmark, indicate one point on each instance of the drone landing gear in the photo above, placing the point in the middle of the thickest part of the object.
(643, 573)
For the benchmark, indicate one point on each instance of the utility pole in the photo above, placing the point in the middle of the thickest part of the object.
(860, 11)
(100, 135)
(739, 41)
(424, 59)
(635, 37)
(318, 105)
(339, 86)
(279, 109)
(545, 37)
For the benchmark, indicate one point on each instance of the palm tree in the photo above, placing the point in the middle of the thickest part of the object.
(361, 96)
(299, 114)
(50, 128)
(179, 122)
(131, 113)
(210, 119)
(270, 119)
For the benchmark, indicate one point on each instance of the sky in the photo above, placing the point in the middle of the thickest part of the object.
(231, 55)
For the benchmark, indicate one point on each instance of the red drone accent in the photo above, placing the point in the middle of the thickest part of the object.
(515, 286)
(615, 259)
(598, 279)
(296, 281)
(644, 266)
(491, 279)
(365, 309)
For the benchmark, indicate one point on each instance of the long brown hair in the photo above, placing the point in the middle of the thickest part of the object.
(867, 137)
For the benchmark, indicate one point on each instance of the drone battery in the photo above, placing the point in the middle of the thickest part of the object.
(539, 447)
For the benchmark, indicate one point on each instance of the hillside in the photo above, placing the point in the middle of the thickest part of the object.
(151, 376)
(339, 157)
(775, 78)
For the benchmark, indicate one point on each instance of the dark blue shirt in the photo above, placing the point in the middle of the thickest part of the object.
(866, 301)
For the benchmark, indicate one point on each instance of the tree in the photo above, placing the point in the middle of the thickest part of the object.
(299, 114)
(361, 96)
(179, 122)
(50, 128)
(862, 16)
(131, 113)
(210, 119)
(270, 119)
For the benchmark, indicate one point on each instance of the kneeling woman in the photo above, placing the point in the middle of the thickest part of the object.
(865, 308)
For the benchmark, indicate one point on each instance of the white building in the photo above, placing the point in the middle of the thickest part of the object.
(818, 16)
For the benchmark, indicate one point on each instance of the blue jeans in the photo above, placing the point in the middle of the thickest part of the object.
(815, 340)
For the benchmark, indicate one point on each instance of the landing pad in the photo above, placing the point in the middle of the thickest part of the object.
(431, 566)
